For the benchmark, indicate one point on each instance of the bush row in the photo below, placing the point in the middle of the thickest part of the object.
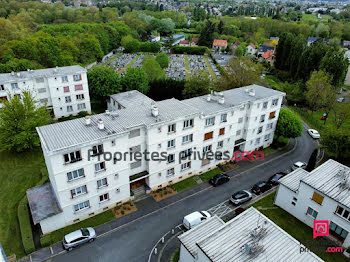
(25, 226)
(191, 50)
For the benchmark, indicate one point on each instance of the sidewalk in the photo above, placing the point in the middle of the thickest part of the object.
(149, 206)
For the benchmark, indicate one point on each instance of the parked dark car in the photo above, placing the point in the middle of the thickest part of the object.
(219, 179)
(241, 197)
(273, 180)
(261, 187)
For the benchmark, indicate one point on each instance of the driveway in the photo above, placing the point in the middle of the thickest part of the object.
(133, 241)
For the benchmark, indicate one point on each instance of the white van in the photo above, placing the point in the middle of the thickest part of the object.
(195, 219)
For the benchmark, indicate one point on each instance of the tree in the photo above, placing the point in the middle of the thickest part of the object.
(240, 72)
(337, 143)
(288, 125)
(135, 79)
(198, 84)
(341, 114)
(312, 161)
(221, 27)
(240, 51)
(152, 69)
(169, 42)
(163, 60)
(126, 39)
(18, 121)
(166, 26)
(206, 36)
(320, 93)
(103, 82)
(132, 46)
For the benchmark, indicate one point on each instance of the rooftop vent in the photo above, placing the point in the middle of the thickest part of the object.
(18, 74)
(100, 124)
(221, 98)
(154, 110)
(344, 177)
(208, 97)
(246, 90)
(12, 73)
(87, 120)
(252, 92)
(107, 112)
(114, 115)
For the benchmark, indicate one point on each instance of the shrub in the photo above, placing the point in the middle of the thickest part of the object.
(122, 212)
(83, 113)
(25, 226)
(45, 241)
(191, 50)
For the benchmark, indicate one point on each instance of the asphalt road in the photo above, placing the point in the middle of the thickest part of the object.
(134, 241)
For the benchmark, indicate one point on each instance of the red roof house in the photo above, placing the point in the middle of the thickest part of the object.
(219, 43)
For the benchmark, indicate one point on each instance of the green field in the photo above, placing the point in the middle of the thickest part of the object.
(313, 17)
(18, 172)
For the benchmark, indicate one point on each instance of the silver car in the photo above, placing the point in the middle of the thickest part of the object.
(241, 197)
(298, 164)
(78, 237)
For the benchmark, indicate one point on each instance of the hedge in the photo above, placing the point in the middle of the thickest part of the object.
(25, 226)
(191, 50)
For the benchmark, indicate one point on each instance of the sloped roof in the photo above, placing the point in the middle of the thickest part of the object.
(218, 42)
(267, 54)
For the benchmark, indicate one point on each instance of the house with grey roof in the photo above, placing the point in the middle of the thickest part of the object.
(92, 161)
(250, 236)
(64, 90)
(322, 194)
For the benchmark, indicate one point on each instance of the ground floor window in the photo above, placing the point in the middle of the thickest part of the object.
(81, 206)
(104, 197)
(311, 212)
(338, 231)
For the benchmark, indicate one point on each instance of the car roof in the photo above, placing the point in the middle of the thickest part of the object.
(74, 235)
(299, 163)
(193, 216)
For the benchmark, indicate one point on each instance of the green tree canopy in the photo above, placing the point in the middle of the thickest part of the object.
(135, 79)
(103, 82)
(337, 143)
(18, 120)
(198, 84)
(163, 60)
(288, 125)
(132, 46)
(152, 69)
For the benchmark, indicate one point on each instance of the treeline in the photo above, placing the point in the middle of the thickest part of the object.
(298, 61)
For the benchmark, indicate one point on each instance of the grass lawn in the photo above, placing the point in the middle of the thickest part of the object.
(309, 17)
(187, 67)
(176, 256)
(295, 228)
(273, 81)
(184, 184)
(207, 175)
(211, 71)
(18, 172)
(58, 235)
(269, 150)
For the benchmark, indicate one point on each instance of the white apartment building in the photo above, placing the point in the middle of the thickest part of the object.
(323, 194)
(239, 119)
(250, 236)
(63, 89)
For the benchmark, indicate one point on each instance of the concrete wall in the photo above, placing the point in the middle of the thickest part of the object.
(185, 256)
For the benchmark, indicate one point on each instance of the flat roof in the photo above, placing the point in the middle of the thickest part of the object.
(192, 236)
(42, 202)
(251, 236)
(292, 180)
(47, 72)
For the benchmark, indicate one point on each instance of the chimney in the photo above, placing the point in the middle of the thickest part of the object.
(247, 90)
(100, 124)
(221, 98)
(107, 112)
(154, 110)
(18, 74)
(252, 92)
(87, 120)
(12, 73)
(208, 97)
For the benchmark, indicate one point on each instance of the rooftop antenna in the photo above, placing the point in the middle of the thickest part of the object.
(344, 177)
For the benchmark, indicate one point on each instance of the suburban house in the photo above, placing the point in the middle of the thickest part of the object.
(268, 56)
(194, 41)
(311, 39)
(240, 119)
(322, 194)
(176, 38)
(155, 38)
(250, 236)
(251, 49)
(264, 48)
(219, 44)
(63, 89)
(184, 43)
(346, 44)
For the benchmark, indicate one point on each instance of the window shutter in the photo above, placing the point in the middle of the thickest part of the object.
(222, 131)
(317, 198)
(71, 192)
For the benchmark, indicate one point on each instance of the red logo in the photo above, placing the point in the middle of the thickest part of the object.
(321, 228)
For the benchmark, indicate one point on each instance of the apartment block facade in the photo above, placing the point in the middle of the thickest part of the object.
(63, 89)
(322, 194)
(174, 133)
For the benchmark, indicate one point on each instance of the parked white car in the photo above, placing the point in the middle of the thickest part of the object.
(340, 99)
(195, 218)
(298, 164)
(314, 133)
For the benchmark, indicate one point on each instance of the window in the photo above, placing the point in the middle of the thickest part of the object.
(81, 206)
(185, 166)
(78, 191)
(343, 212)
(274, 102)
(66, 89)
(171, 172)
(41, 90)
(220, 144)
(317, 198)
(265, 105)
(2, 88)
(81, 106)
(134, 133)
(68, 99)
(14, 86)
(221, 131)
(260, 129)
(257, 141)
(80, 97)
(337, 231)
(238, 132)
(97, 150)
(187, 139)
(267, 137)
(43, 100)
(311, 212)
(262, 118)
(78, 87)
(75, 174)
(269, 126)
(207, 149)
(171, 158)
(102, 182)
(64, 79)
(240, 120)
(208, 136)
(77, 77)
(172, 128)
(171, 143)
(188, 123)
(72, 157)
(223, 118)
(186, 153)
(272, 115)
(100, 166)
(104, 197)
(210, 121)
(69, 108)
